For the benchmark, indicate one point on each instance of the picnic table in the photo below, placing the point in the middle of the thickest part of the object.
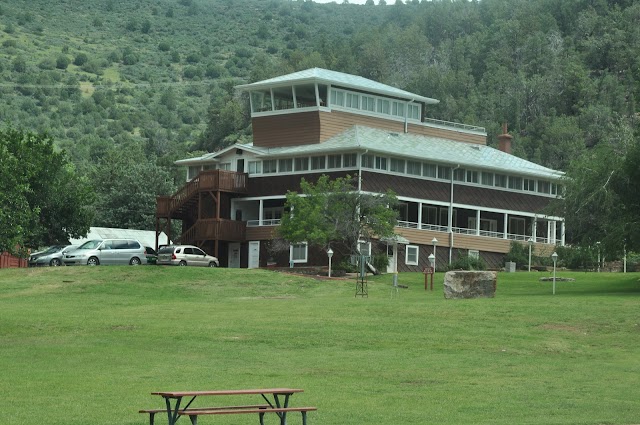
(276, 401)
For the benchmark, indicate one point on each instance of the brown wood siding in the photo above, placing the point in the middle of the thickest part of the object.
(460, 241)
(287, 130)
(278, 185)
(261, 233)
(305, 128)
(462, 194)
(444, 133)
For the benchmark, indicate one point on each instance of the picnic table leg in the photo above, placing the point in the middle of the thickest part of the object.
(304, 417)
(151, 415)
(194, 419)
(173, 413)
(261, 418)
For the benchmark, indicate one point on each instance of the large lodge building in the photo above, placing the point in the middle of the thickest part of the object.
(454, 189)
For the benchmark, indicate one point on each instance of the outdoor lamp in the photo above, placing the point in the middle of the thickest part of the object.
(329, 254)
(434, 242)
(530, 245)
(432, 261)
(554, 257)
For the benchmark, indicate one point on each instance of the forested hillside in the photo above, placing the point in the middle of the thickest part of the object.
(154, 78)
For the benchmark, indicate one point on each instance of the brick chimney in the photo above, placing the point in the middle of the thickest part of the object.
(504, 140)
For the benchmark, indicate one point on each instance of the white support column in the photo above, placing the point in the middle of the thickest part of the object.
(562, 231)
(550, 224)
(506, 225)
(478, 222)
(419, 215)
(261, 213)
(534, 228)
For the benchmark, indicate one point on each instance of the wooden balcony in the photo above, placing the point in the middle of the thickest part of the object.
(215, 229)
(206, 181)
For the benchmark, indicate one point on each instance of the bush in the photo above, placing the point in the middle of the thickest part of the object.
(518, 253)
(380, 262)
(467, 263)
(80, 59)
(62, 62)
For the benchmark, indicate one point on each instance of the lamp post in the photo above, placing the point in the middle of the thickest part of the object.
(598, 245)
(432, 261)
(434, 242)
(329, 254)
(554, 256)
(530, 245)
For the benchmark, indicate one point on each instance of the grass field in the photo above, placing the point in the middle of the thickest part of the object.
(88, 345)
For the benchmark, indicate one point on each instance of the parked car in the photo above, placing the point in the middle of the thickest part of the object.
(185, 255)
(107, 252)
(152, 255)
(51, 256)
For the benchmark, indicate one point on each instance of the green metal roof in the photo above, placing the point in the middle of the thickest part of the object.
(416, 147)
(319, 75)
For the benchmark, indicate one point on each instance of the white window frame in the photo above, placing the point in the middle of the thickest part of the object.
(473, 253)
(255, 167)
(416, 253)
(306, 253)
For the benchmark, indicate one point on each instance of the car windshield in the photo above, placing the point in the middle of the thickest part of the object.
(52, 249)
(166, 250)
(90, 245)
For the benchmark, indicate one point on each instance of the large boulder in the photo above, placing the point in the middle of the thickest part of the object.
(466, 284)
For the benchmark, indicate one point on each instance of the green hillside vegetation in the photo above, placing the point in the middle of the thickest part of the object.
(155, 78)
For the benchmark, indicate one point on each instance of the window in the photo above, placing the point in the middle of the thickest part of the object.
(458, 174)
(544, 187)
(516, 226)
(305, 95)
(396, 165)
(364, 248)
(487, 178)
(285, 165)
(193, 171)
(317, 162)
(430, 170)
(381, 163)
(474, 254)
(367, 161)
(397, 109)
(337, 98)
(444, 172)
(414, 112)
(472, 177)
(270, 166)
(515, 183)
(298, 252)
(411, 255)
(368, 103)
(429, 215)
(554, 189)
(353, 101)
(350, 160)
(272, 213)
(302, 164)
(500, 180)
(414, 168)
(224, 166)
(383, 107)
(335, 161)
(530, 185)
(255, 167)
(261, 101)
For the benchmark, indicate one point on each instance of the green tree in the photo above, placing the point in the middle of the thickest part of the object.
(44, 200)
(335, 212)
(127, 183)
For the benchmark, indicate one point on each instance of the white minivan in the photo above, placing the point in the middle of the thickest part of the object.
(107, 252)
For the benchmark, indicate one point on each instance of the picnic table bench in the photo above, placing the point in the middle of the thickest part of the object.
(278, 405)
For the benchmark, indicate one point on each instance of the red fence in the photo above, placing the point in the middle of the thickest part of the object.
(9, 261)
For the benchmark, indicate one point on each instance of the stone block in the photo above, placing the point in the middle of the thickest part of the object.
(470, 284)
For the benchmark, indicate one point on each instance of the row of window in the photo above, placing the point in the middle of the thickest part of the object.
(402, 166)
(312, 95)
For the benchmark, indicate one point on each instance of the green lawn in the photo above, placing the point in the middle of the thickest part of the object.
(88, 345)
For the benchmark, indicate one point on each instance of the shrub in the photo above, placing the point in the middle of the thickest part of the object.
(62, 61)
(518, 253)
(164, 46)
(380, 262)
(465, 262)
(80, 59)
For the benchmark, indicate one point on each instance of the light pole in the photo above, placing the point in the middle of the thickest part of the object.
(434, 242)
(554, 256)
(598, 245)
(432, 261)
(329, 254)
(530, 245)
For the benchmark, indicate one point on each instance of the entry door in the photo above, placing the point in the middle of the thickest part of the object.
(240, 166)
(254, 254)
(234, 255)
(391, 255)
